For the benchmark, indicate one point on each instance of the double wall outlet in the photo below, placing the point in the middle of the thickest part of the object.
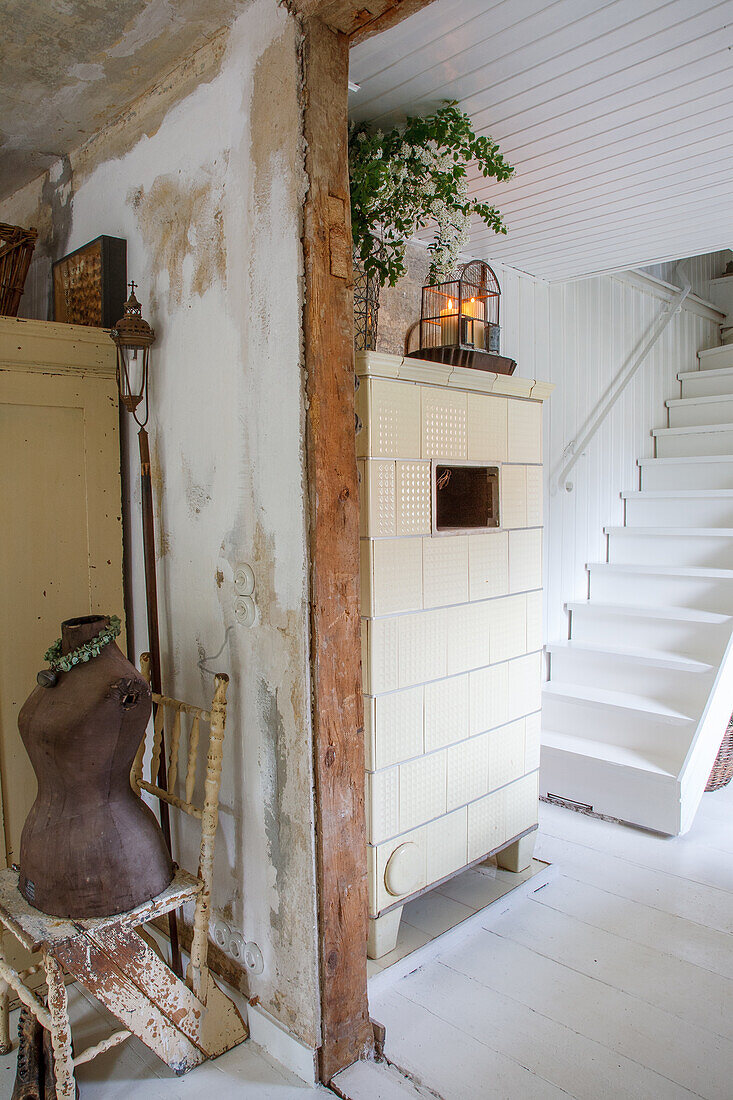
(245, 609)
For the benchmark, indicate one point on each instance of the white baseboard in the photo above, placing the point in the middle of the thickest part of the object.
(281, 1045)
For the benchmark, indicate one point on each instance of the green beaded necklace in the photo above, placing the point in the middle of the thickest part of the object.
(84, 652)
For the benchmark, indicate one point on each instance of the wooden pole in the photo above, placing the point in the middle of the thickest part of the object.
(151, 600)
(338, 719)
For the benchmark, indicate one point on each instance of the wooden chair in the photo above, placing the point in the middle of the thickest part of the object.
(183, 1023)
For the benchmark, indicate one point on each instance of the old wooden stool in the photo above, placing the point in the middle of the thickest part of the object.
(183, 1023)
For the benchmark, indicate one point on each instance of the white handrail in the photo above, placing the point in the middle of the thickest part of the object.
(623, 378)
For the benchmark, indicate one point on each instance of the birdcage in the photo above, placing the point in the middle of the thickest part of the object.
(459, 321)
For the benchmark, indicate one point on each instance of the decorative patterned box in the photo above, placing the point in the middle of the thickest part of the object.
(451, 622)
(90, 284)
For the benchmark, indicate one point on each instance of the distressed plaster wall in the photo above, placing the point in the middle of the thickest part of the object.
(209, 199)
(399, 306)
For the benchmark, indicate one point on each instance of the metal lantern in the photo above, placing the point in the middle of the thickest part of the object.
(133, 336)
(459, 321)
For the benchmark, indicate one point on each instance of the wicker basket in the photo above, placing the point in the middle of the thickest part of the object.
(722, 772)
(16, 250)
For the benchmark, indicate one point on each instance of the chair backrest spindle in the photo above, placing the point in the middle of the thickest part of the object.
(158, 723)
(209, 822)
(173, 757)
(193, 744)
(208, 814)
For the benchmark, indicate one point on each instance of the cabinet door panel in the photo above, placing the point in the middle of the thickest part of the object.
(61, 549)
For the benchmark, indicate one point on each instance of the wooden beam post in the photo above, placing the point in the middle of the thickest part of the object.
(334, 548)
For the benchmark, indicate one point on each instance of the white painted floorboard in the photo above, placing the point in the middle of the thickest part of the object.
(611, 980)
(615, 979)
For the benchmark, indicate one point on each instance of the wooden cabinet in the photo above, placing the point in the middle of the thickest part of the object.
(60, 506)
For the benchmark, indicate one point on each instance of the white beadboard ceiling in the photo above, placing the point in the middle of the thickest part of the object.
(618, 117)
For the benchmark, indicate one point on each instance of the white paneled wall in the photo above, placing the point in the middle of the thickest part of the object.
(578, 335)
(699, 270)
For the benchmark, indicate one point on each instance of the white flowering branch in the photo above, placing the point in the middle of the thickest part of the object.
(414, 176)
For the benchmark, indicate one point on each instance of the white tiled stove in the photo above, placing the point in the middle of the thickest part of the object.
(451, 628)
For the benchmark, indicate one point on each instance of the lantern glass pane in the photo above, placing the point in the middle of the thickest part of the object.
(133, 377)
(440, 310)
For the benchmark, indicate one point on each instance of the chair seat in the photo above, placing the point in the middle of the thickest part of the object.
(37, 930)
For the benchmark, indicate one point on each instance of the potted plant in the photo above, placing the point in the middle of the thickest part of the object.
(405, 180)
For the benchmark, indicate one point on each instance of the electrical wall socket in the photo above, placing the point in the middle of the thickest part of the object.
(244, 580)
(220, 933)
(245, 611)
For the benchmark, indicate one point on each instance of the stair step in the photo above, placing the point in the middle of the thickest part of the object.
(691, 472)
(678, 458)
(695, 571)
(679, 614)
(702, 635)
(707, 547)
(706, 401)
(656, 763)
(674, 532)
(652, 658)
(688, 508)
(656, 585)
(706, 383)
(715, 358)
(674, 680)
(627, 784)
(688, 412)
(722, 372)
(620, 717)
(593, 696)
(694, 429)
(677, 494)
(701, 439)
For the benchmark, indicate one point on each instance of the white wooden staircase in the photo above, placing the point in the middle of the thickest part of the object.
(640, 694)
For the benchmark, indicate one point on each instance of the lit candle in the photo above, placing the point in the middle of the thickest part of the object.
(449, 324)
(474, 308)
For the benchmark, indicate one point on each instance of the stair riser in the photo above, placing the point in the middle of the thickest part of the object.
(703, 641)
(688, 416)
(716, 358)
(700, 512)
(614, 726)
(677, 689)
(686, 475)
(698, 443)
(647, 800)
(705, 384)
(643, 590)
(715, 552)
